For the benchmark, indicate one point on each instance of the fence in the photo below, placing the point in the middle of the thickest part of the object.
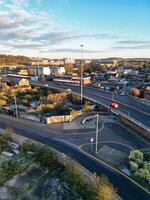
(138, 123)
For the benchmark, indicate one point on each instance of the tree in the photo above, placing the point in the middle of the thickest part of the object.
(2, 103)
(135, 92)
(136, 156)
(133, 165)
(102, 68)
(69, 68)
(146, 165)
(105, 192)
(29, 146)
(7, 134)
(86, 107)
(47, 158)
(143, 174)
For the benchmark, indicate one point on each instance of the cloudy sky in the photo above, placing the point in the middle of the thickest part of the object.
(57, 28)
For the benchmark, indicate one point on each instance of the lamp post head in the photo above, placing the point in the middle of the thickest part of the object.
(81, 45)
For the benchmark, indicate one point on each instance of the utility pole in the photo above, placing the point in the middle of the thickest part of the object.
(97, 116)
(81, 80)
(38, 68)
(15, 99)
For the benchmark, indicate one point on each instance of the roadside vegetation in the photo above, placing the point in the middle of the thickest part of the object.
(39, 102)
(140, 165)
(41, 158)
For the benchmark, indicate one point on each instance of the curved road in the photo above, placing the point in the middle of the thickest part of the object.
(126, 189)
(135, 109)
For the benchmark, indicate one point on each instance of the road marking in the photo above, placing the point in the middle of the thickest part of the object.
(124, 104)
(118, 171)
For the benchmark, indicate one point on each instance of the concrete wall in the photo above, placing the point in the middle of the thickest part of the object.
(134, 126)
(30, 117)
(58, 119)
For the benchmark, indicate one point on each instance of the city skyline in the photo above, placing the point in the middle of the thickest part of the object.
(57, 28)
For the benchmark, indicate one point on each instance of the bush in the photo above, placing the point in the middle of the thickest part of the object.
(29, 146)
(77, 183)
(136, 156)
(133, 166)
(146, 165)
(103, 188)
(7, 134)
(47, 158)
(143, 174)
(86, 108)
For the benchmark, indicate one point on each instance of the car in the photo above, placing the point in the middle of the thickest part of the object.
(46, 85)
(68, 90)
(123, 93)
(114, 105)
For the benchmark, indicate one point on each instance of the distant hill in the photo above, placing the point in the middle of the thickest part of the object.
(13, 60)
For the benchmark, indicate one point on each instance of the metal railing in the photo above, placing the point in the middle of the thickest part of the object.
(116, 112)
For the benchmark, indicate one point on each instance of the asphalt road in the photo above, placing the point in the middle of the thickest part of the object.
(127, 105)
(126, 189)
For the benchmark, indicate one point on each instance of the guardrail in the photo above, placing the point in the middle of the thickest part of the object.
(147, 128)
(116, 112)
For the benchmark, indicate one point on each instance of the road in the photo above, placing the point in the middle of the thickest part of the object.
(126, 189)
(136, 110)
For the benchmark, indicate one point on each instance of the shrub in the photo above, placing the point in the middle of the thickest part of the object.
(146, 165)
(29, 146)
(136, 156)
(133, 166)
(86, 108)
(77, 183)
(47, 158)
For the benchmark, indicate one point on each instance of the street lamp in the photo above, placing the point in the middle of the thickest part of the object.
(81, 73)
(38, 68)
(15, 99)
(96, 135)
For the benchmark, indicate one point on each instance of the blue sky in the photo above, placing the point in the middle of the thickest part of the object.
(56, 28)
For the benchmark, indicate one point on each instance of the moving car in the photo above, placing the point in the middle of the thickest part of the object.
(68, 90)
(114, 105)
(123, 93)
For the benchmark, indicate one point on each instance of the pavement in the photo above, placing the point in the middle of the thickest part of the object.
(51, 135)
(135, 109)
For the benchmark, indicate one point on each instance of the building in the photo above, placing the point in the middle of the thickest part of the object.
(54, 70)
(57, 70)
(72, 80)
(23, 82)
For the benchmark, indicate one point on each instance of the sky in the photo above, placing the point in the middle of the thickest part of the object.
(57, 28)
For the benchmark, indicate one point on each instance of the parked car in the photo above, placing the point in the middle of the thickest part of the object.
(46, 85)
(114, 105)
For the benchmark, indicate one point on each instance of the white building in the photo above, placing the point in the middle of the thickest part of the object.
(48, 70)
(57, 70)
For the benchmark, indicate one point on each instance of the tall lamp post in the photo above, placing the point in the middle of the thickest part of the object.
(15, 99)
(81, 73)
(96, 144)
(96, 133)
